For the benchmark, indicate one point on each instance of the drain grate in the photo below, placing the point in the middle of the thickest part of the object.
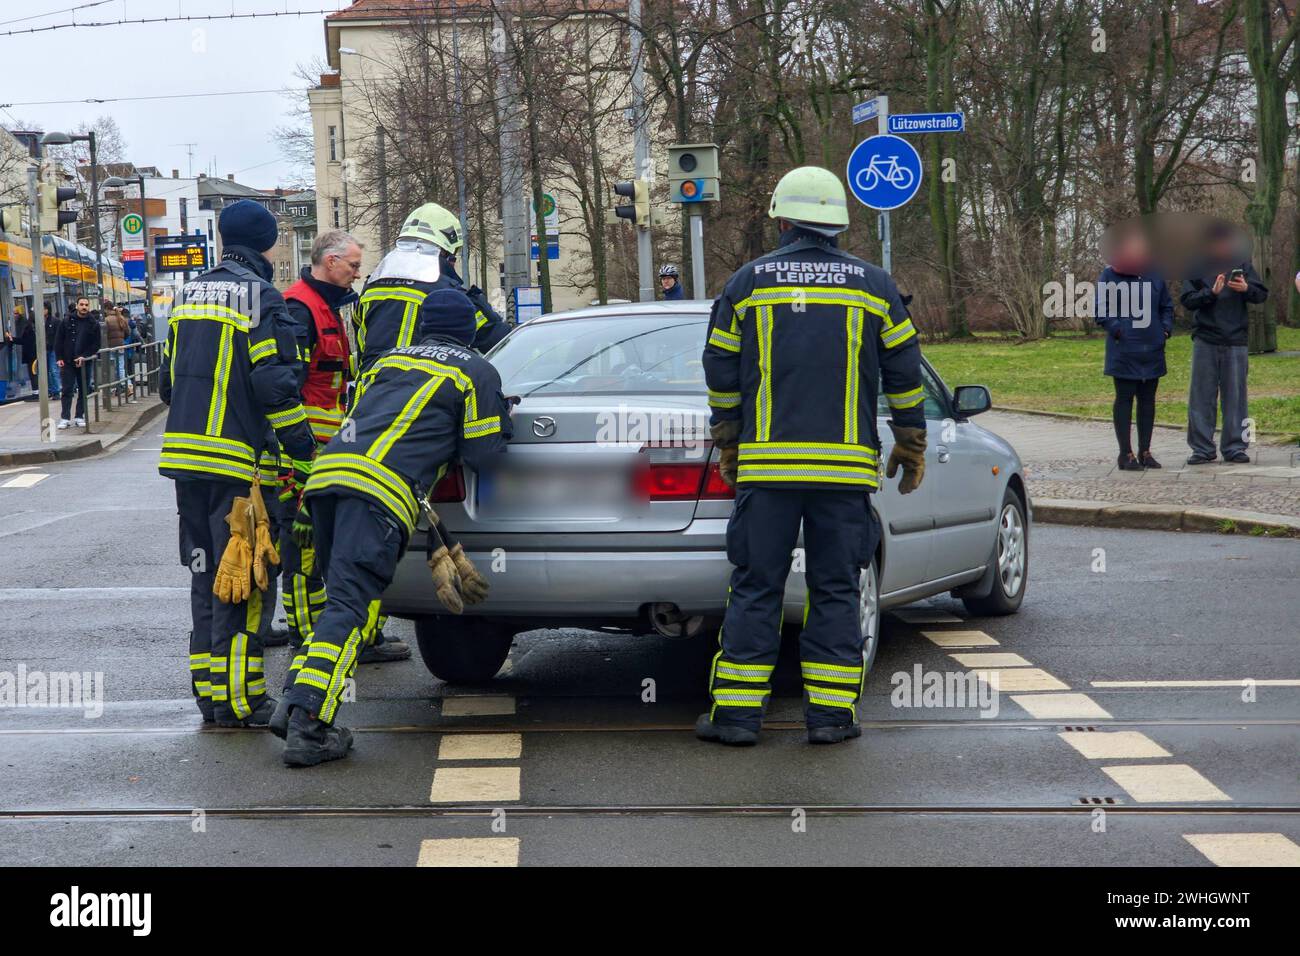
(1068, 727)
(1096, 802)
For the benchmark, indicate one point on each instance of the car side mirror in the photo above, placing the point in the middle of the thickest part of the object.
(971, 400)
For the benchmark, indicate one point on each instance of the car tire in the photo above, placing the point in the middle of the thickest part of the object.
(869, 612)
(463, 650)
(1010, 559)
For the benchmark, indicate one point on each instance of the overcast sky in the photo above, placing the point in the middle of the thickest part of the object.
(232, 134)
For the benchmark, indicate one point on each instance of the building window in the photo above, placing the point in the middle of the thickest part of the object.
(334, 153)
(334, 206)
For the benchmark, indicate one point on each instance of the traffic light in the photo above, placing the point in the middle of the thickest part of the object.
(693, 173)
(11, 221)
(49, 198)
(638, 210)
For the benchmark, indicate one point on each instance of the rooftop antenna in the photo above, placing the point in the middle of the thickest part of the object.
(189, 150)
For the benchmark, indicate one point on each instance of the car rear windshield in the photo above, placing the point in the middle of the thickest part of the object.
(608, 356)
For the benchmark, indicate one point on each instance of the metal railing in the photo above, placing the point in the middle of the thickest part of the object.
(122, 373)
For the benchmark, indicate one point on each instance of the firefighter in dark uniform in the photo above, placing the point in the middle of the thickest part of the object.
(796, 342)
(416, 410)
(424, 259)
(230, 367)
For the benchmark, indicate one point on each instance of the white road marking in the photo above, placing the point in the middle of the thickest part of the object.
(1261, 682)
(1060, 706)
(1023, 679)
(25, 481)
(1165, 783)
(493, 706)
(474, 785)
(474, 851)
(918, 615)
(480, 747)
(1113, 745)
(54, 594)
(959, 638)
(983, 661)
(1246, 849)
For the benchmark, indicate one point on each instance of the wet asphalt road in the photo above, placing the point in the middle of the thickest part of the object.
(563, 760)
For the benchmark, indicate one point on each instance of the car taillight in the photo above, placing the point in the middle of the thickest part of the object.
(451, 487)
(714, 487)
(670, 481)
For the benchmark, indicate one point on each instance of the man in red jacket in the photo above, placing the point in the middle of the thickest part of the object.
(320, 303)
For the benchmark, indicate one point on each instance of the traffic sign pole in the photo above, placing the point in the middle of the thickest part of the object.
(697, 256)
(886, 237)
(38, 308)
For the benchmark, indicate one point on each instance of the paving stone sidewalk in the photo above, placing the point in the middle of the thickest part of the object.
(1076, 459)
(20, 431)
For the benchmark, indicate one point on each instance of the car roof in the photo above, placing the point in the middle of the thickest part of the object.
(680, 307)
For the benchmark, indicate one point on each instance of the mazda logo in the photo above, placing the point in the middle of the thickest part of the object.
(544, 426)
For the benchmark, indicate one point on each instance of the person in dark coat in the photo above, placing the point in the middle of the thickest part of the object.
(1217, 293)
(51, 368)
(22, 342)
(1137, 312)
(75, 344)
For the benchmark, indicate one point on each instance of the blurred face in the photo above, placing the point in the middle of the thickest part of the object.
(83, 307)
(342, 270)
(667, 282)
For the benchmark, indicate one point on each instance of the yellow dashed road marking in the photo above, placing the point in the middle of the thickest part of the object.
(959, 638)
(983, 661)
(1113, 745)
(1195, 683)
(1024, 678)
(1165, 783)
(479, 851)
(1057, 706)
(493, 706)
(1246, 849)
(474, 785)
(480, 747)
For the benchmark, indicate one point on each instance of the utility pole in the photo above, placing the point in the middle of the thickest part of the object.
(514, 211)
(38, 306)
(381, 159)
(460, 139)
(641, 153)
(148, 265)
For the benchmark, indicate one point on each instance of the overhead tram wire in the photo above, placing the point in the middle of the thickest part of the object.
(401, 10)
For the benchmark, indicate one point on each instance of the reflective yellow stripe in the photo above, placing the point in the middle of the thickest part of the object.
(853, 336)
(482, 426)
(480, 320)
(763, 400)
(740, 696)
(814, 295)
(405, 418)
(220, 381)
(811, 472)
(908, 399)
(724, 340)
(406, 333)
(257, 351)
(898, 334)
(831, 673)
(833, 452)
(213, 313)
(750, 673)
(288, 417)
(202, 463)
(724, 399)
(225, 446)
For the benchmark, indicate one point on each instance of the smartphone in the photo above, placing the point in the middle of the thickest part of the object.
(1238, 274)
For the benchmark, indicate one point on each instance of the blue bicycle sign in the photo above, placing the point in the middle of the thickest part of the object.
(884, 172)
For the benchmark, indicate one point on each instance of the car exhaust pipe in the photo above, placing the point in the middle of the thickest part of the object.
(669, 621)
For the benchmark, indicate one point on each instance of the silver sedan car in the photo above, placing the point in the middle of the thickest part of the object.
(607, 510)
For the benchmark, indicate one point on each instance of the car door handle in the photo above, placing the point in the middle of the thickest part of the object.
(942, 452)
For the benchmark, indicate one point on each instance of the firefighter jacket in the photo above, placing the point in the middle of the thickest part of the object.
(416, 410)
(230, 367)
(798, 340)
(388, 315)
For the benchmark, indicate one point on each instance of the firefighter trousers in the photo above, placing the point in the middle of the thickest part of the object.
(226, 664)
(357, 545)
(839, 537)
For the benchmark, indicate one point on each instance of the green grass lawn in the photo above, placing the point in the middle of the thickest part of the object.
(1063, 374)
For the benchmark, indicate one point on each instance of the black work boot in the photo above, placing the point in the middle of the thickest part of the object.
(276, 637)
(834, 734)
(731, 734)
(279, 723)
(383, 650)
(260, 716)
(206, 709)
(311, 741)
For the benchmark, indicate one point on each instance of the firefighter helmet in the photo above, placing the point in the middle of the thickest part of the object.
(435, 224)
(811, 197)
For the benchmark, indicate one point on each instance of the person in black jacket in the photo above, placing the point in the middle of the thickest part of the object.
(23, 339)
(55, 385)
(75, 345)
(1137, 312)
(1217, 294)
(417, 409)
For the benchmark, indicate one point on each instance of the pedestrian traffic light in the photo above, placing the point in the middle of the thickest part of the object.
(693, 173)
(11, 221)
(49, 198)
(638, 210)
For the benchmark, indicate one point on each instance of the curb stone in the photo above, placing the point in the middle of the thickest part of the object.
(88, 449)
(1106, 514)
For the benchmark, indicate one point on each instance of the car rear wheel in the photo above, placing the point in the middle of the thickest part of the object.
(1011, 557)
(463, 650)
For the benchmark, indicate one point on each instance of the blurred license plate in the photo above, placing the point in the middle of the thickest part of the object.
(593, 488)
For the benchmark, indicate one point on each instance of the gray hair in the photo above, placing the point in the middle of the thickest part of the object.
(335, 242)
